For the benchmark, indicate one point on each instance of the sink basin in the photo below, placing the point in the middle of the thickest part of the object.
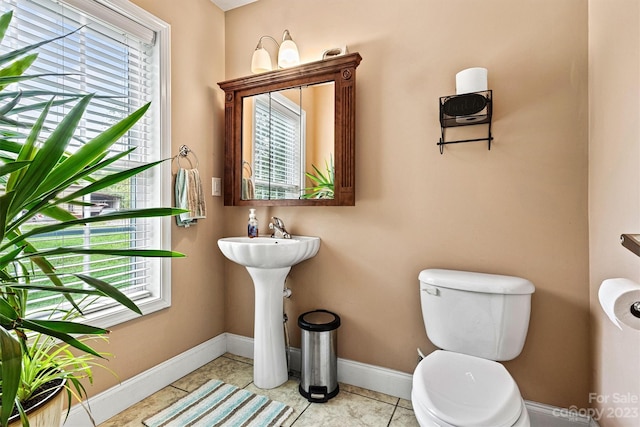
(267, 252)
(268, 262)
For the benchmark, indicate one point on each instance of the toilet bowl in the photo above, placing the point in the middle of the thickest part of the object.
(476, 320)
(454, 390)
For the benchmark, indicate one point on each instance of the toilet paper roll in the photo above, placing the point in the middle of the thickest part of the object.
(471, 80)
(617, 296)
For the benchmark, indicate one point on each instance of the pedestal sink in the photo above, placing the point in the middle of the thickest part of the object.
(268, 262)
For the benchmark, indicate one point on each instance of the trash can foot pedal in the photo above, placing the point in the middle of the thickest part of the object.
(318, 394)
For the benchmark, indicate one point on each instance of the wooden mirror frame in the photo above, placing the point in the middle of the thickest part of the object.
(341, 70)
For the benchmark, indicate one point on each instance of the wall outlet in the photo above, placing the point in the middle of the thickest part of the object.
(216, 186)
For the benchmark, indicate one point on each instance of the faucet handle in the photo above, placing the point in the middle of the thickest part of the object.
(277, 221)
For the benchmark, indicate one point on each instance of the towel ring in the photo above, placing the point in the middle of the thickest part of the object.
(183, 152)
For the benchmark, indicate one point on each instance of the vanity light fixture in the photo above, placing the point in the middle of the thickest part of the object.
(261, 61)
(288, 55)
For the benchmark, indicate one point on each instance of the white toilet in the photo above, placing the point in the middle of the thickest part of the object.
(476, 319)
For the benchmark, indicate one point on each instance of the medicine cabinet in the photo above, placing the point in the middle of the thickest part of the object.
(287, 130)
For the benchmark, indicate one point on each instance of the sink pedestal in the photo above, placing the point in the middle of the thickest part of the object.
(269, 356)
(268, 261)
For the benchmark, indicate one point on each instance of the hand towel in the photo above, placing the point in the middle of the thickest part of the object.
(248, 191)
(189, 195)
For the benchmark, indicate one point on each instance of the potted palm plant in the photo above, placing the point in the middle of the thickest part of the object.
(39, 175)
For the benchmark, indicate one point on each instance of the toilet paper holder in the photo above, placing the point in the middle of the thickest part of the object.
(631, 242)
(475, 108)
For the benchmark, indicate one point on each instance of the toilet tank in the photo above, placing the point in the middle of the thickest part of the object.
(483, 315)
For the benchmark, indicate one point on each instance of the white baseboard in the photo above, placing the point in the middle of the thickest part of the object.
(118, 398)
(551, 416)
(383, 380)
(395, 383)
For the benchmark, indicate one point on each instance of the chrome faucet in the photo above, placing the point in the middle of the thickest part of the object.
(277, 226)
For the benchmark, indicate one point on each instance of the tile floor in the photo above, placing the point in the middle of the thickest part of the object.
(352, 407)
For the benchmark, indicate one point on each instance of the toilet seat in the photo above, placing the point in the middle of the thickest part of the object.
(463, 390)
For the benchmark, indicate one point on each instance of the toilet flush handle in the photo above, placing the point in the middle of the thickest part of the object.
(431, 290)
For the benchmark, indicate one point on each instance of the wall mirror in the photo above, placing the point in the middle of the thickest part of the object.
(290, 135)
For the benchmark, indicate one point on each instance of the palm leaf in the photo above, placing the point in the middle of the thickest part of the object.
(7, 313)
(11, 362)
(7, 80)
(58, 289)
(11, 167)
(149, 253)
(129, 214)
(5, 202)
(107, 181)
(39, 93)
(28, 150)
(43, 329)
(9, 257)
(40, 105)
(110, 291)
(67, 327)
(88, 152)
(47, 157)
(100, 164)
(10, 56)
(5, 20)
(17, 67)
(9, 146)
(11, 104)
(42, 203)
(58, 213)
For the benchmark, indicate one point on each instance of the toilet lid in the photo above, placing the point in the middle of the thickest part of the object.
(464, 390)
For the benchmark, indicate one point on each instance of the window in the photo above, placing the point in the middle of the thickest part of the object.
(121, 55)
(278, 147)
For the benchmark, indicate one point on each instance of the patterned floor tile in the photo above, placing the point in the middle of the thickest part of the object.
(346, 409)
(403, 418)
(227, 370)
(352, 407)
(368, 393)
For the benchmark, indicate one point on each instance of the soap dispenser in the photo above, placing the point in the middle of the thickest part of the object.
(252, 227)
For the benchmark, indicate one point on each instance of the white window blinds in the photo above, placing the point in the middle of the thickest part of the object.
(120, 65)
(278, 145)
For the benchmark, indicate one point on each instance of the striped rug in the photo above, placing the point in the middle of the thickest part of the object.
(216, 404)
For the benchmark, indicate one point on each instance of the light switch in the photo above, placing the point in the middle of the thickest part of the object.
(216, 187)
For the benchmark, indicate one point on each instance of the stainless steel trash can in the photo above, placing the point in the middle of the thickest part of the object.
(319, 364)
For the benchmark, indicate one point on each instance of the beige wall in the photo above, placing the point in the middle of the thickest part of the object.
(519, 209)
(614, 196)
(197, 310)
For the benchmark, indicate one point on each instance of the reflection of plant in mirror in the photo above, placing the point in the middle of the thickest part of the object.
(323, 183)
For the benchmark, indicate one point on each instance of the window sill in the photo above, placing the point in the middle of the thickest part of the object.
(111, 314)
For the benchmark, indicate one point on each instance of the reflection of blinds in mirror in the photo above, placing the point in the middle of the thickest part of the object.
(278, 147)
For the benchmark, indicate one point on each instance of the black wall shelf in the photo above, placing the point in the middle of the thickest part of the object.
(467, 109)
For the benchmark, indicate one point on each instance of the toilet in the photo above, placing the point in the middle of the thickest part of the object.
(476, 319)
